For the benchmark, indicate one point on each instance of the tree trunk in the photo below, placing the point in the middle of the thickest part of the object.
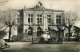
(9, 33)
(69, 34)
(59, 36)
(77, 36)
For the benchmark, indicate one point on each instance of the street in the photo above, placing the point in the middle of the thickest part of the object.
(28, 47)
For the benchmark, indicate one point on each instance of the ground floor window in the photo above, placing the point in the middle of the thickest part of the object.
(39, 31)
(30, 31)
(49, 28)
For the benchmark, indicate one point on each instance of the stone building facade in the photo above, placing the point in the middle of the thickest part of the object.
(31, 22)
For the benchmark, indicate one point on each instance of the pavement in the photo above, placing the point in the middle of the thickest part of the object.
(28, 47)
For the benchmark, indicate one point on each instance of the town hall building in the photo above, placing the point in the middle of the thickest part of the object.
(33, 22)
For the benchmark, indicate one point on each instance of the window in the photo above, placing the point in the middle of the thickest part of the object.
(39, 18)
(30, 31)
(17, 19)
(49, 20)
(49, 28)
(58, 19)
(30, 18)
(39, 31)
(48, 15)
(30, 15)
(39, 15)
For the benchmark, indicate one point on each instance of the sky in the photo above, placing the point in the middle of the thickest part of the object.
(73, 5)
(53, 4)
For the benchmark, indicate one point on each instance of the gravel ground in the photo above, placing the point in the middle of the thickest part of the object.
(28, 47)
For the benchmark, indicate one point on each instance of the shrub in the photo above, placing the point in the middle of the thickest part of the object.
(3, 33)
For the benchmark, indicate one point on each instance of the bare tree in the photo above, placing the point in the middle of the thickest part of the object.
(69, 20)
(77, 31)
(8, 19)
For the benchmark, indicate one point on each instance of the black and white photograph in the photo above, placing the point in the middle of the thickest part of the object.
(39, 25)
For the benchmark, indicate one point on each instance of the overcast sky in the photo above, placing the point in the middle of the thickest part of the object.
(53, 4)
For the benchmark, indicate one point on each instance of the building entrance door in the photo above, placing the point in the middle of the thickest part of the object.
(30, 31)
(39, 31)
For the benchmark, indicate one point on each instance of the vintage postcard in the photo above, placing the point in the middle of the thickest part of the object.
(39, 25)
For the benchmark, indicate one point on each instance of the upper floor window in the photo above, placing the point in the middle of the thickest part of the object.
(39, 20)
(58, 19)
(30, 15)
(39, 15)
(48, 15)
(18, 20)
(30, 18)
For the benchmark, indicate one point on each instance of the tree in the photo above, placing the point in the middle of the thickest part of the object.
(8, 19)
(69, 20)
(77, 31)
(2, 34)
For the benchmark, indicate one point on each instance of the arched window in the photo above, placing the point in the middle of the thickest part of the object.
(49, 29)
(39, 31)
(30, 31)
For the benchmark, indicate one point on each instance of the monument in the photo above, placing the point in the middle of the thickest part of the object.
(45, 34)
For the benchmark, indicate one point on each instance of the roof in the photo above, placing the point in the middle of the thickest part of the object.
(76, 27)
(40, 7)
(45, 9)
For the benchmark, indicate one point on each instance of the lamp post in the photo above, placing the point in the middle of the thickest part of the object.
(32, 33)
